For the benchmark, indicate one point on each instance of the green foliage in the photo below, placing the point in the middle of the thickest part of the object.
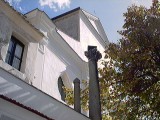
(69, 96)
(135, 66)
(85, 98)
(130, 77)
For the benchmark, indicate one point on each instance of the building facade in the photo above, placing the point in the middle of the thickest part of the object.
(39, 56)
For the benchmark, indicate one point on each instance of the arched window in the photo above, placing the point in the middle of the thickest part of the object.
(61, 90)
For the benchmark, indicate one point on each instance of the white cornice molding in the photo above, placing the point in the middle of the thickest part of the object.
(19, 19)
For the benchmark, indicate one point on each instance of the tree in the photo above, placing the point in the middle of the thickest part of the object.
(130, 78)
(135, 64)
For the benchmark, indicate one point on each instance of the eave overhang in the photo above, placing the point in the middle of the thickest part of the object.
(18, 90)
(24, 107)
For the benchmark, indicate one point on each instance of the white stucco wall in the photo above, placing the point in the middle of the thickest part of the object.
(58, 59)
(75, 45)
(43, 63)
(60, 55)
(41, 68)
(87, 36)
(46, 58)
(57, 63)
(53, 67)
(20, 29)
(5, 33)
(38, 70)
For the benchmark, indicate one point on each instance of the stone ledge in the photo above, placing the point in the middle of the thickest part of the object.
(12, 70)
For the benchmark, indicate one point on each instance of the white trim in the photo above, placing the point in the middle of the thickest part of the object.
(90, 16)
(12, 70)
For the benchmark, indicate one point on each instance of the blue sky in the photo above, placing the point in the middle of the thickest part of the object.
(110, 12)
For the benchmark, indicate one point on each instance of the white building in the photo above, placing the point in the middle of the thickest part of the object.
(39, 56)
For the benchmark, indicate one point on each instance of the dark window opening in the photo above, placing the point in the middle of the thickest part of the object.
(61, 88)
(15, 53)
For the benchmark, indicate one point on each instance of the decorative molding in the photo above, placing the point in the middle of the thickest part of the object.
(93, 53)
(41, 48)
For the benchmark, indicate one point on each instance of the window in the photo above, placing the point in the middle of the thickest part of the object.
(61, 88)
(15, 53)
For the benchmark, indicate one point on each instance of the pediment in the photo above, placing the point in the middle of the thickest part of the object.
(95, 22)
